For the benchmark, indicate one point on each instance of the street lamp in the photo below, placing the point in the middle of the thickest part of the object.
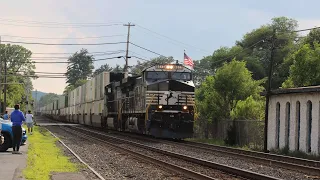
(126, 66)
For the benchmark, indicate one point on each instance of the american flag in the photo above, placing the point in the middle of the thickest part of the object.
(188, 61)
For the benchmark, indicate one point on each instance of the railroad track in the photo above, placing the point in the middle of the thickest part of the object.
(311, 167)
(113, 141)
(292, 163)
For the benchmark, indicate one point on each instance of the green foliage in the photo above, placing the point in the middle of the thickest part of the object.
(259, 53)
(80, 67)
(47, 98)
(18, 59)
(44, 157)
(137, 69)
(101, 69)
(106, 67)
(305, 68)
(18, 63)
(312, 37)
(249, 108)
(218, 95)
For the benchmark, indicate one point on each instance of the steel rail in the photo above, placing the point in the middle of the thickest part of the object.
(143, 157)
(224, 168)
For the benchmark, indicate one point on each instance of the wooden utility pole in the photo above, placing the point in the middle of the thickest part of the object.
(127, 51)
(0, 76)
(5, 82)
(273, 39)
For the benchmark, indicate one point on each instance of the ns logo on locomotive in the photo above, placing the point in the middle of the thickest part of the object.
(160, 102)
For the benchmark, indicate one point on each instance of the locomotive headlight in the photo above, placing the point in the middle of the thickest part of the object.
(160, 106)
(169, 67)
(185, 107)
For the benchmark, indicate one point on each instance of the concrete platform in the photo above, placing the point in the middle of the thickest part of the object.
(12, 165)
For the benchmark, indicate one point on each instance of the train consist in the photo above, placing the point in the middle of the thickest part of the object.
(160, 102)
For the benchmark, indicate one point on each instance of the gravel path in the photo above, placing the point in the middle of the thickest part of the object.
(110, 163)
(224, 159)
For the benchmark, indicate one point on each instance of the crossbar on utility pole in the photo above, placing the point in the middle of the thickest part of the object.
(273, 39)
(127, 51)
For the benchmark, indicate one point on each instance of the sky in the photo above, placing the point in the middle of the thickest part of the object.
(167, 27)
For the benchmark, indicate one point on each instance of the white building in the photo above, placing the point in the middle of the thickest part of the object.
(294, 119)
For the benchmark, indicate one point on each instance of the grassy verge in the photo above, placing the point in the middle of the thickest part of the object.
(222, 143)
(45, 157)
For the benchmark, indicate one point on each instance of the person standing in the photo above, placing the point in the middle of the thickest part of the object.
(29, 121)
(6, 116)
(17, 119)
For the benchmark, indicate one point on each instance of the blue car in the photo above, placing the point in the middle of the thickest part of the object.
(6, 132)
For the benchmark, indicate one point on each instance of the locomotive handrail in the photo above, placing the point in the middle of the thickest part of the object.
(147, 109)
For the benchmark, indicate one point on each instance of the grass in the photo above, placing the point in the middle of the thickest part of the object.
(45, 157)
(220, 142)
(296, 153)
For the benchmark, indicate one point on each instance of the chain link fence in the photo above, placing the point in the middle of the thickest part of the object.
(243, 133)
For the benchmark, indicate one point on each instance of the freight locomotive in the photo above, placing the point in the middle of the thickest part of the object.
(160, 102)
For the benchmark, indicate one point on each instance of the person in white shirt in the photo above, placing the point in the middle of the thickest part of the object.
(29, 121)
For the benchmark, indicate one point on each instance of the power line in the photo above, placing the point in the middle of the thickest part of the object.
(73, 52)
(55, 23)
(146, 49)
(140, 54)
(67, 57)
(140, 58)
(73, 26)
(67, 44)
(94, 37)
(262, 40)
(44, 72)
(173, 39)
(62, 62)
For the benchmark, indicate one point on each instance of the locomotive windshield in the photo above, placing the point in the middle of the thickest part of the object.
(181, 76)
(160, 75)
(157, 75)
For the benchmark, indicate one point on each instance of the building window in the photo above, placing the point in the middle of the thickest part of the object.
(298, 125)
(277, 125)
(287, 124)
(309, 125)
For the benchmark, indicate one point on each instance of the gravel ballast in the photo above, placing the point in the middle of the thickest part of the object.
(110, 163)
(221, 158)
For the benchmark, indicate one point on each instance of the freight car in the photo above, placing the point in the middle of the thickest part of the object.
(160, 102)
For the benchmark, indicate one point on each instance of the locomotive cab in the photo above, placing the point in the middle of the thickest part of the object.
(169, 101)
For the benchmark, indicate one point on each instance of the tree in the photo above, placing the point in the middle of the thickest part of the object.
(257, 44)
(305, 68)
(117, 69)
(78, 83)
(137, 69)
(48, 98)
(18, 63)
(80, 67)
(221, 97)
(234, 82)
(102, 68)
(312, 37)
